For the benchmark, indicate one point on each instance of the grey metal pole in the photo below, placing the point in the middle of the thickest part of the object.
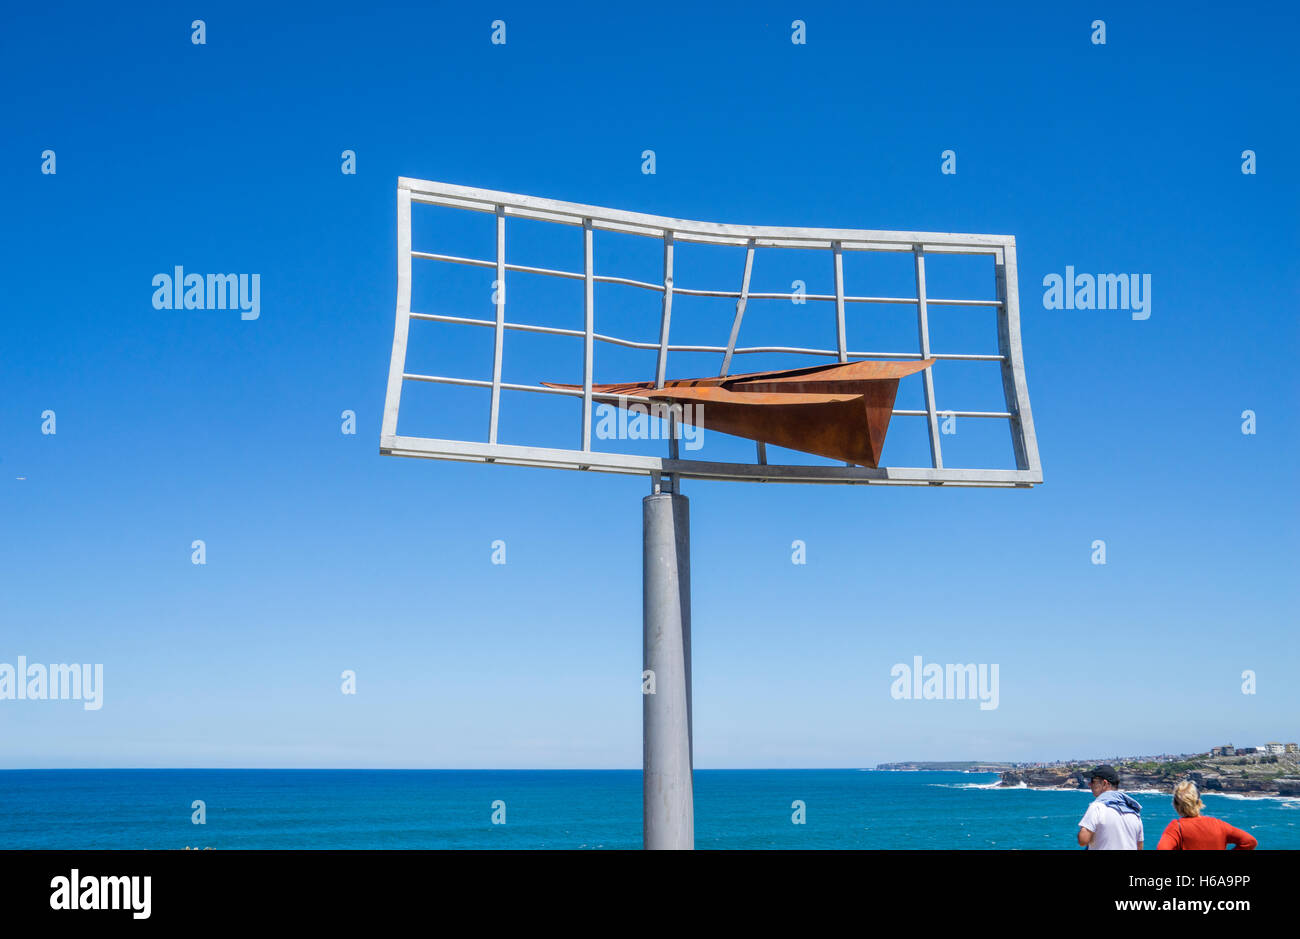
(667, 751)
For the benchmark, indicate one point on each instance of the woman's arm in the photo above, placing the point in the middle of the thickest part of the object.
(1243, 840)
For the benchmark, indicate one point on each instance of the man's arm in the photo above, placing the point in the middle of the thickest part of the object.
(1088, 825)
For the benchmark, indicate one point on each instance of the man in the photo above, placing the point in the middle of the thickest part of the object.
(1113, 821)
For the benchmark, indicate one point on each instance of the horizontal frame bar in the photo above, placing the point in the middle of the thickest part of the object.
(634, 344)
(694, 291)
(573, 213)
(509, 455)
(577, 393)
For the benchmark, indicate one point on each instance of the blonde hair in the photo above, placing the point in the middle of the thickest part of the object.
(1187, 800)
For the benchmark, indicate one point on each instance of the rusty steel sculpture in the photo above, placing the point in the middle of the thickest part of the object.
(836, 411)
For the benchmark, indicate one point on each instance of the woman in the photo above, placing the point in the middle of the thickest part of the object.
(1196, 832)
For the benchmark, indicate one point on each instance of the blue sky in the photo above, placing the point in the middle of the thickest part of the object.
(175, 425)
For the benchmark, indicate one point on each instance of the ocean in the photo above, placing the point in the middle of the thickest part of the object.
(547, 809)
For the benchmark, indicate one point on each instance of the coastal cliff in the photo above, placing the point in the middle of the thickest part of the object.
(1246, 775)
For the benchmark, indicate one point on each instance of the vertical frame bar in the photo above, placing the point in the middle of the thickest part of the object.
(588, 353)
(840, 333)
(1023, 440)
(740, 309)
(661, 366)
(397, 366)
(923, 330)
(501, 322)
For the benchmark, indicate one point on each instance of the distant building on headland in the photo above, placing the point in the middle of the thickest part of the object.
(1266, 753)
(1272, 748)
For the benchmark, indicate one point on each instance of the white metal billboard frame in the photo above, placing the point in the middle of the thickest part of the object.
(670, 231)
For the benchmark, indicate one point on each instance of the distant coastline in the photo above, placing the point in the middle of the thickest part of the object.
(1252, 774)
(966, 766)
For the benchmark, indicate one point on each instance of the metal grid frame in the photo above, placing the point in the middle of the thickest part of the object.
(671, 231)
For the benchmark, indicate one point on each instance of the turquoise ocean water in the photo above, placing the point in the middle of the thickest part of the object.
(79, 809)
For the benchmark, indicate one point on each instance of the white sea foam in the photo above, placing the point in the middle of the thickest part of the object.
(1285, 802)
(1290, 802)
(1022, 785)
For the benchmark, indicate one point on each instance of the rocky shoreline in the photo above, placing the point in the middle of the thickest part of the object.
(1241, 776)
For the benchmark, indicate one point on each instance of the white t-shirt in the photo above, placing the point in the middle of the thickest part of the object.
(1111, 831)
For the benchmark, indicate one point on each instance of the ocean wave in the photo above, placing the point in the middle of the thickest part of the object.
(1024, 785)
(992, 785)
(1286, 802)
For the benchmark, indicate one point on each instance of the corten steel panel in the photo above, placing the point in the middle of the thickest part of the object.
(837, 411)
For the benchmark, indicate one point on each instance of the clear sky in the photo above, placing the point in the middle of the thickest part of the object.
(176, 425)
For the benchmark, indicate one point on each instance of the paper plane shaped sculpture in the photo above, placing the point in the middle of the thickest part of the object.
(840, 411)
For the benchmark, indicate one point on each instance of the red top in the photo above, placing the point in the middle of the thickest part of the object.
(1203, 833)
